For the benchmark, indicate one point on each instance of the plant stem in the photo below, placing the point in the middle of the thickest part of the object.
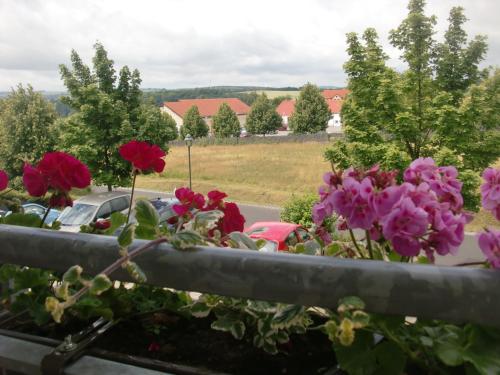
(6, 192)
(353, 239)
(131, 195)
(369, 244)
(117, 264)
(45, 215)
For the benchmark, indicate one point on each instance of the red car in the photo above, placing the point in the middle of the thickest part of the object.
(282, 235)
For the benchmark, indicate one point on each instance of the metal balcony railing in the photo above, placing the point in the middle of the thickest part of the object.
(456, 294)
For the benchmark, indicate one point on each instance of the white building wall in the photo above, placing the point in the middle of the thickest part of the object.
(175, 116)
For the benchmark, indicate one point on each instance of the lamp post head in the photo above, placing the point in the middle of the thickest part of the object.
(188, 140)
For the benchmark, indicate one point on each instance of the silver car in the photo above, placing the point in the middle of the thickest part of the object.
(92, 207)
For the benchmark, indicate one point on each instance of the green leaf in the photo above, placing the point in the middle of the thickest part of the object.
(483, 349)
(358, 358)
(287, 315)
(199, 310)
(390, 358)
(243, 241)
(333, 249)
(350, 303)
(146, 214)
(205, 220)
(24, 220)
(117, 219)
(127, 235)
(136, 272)
(100, 284)
(72, 275)
(145, 232)
(186, 239)
(228, 324)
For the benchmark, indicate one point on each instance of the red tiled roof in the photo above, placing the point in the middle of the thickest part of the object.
(334, 105)
(207, 107)
(287, 107)
(329, 94)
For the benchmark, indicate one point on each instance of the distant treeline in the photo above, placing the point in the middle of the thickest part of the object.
(245, 93)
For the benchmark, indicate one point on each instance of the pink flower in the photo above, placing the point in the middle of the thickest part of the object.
(143, 156)
(490, 191)
(354, 203)
(4, 180)
(404, 224)
(489, 243)
(320, 212)
(450, 234)
(421, 169)
(383, 201)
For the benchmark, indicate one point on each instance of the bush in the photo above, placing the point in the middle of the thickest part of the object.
(299, 210)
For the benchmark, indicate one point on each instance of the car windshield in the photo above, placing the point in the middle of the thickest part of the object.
(79, 214)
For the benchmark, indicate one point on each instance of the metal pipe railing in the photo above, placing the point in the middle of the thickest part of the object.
(451, 293)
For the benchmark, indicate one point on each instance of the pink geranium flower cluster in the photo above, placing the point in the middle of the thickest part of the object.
(190, 202)
(490, 191)
(489, 241)
(424, 213)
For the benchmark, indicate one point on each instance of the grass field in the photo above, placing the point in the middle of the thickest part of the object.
(258, 173)
(268, 174)
(273, 94)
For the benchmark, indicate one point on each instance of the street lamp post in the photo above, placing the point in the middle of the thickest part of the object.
(189, 143)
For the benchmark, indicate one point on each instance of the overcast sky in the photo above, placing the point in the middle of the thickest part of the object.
(194, 43)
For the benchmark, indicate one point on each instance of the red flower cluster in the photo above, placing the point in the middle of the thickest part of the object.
(190, 201)
(4, 180)
(57, 171)
(143, 156)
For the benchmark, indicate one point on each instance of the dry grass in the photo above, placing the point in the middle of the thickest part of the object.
(267, 174)
(257, 173)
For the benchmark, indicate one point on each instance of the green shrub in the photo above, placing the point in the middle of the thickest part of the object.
(299, 210)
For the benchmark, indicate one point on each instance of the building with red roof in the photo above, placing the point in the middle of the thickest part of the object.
(286, 108)
(207, 108)
(337, 94)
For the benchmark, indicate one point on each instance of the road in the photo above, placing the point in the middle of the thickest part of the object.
(468, 252)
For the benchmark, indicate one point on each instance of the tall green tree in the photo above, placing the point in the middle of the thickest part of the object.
(456, 60)
(311, 112)
(225, 122)
(430, 109)
(263, 118)
(106, 111)
(194, 124)
(26, 129)
(155, 126)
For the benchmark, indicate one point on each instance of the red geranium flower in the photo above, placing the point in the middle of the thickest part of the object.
(233, 220)
(4, 180)
(58, 171)
(215, 198)
(143, 156)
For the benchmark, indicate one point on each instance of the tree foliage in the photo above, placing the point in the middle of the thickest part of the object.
(311, 112)
(437, 104)
(225, 122)
(26, 128)
(107, 109)
(193, 124)
(263, 118)
(155, 126)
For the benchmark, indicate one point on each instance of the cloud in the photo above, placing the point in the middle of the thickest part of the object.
(189, 43)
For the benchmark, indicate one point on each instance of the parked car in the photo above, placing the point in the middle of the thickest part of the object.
(280, 236)
(37, 209)
(92, 207)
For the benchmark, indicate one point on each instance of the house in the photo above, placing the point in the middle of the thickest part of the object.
(337, 94)
(207, 108)
(334, 99)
